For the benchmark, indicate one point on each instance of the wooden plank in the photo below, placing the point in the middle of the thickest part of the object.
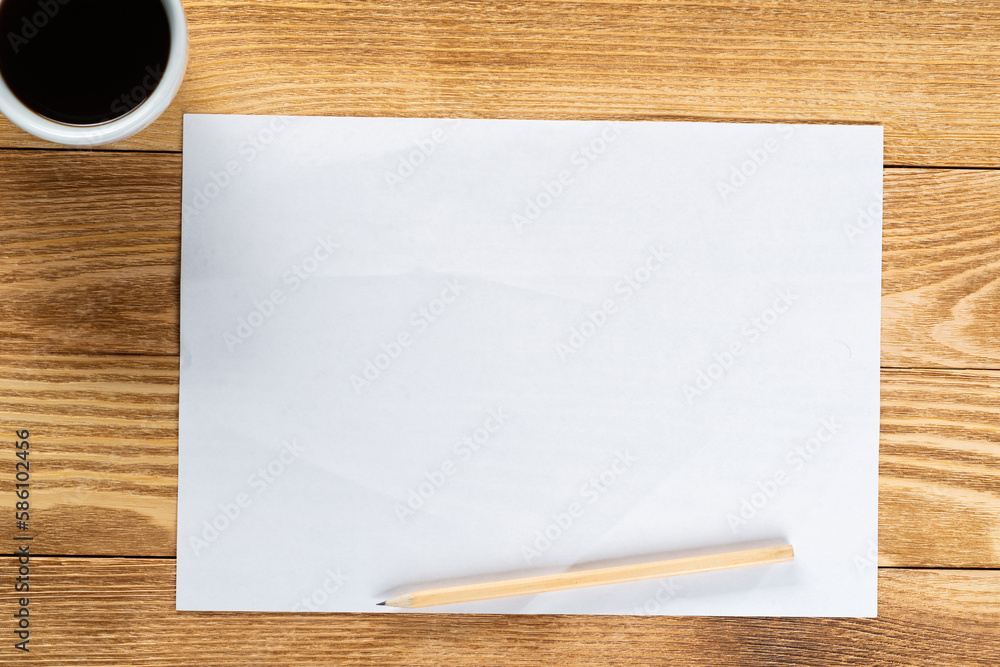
(104, 457)
(89, 252)
(941, 268)
(89, 259)
(939, 469)
(925, 70)
(103, 452)
(121, 612)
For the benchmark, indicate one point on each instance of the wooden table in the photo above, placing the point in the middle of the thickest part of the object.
(89, 258)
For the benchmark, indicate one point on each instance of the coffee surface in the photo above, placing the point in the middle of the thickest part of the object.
(83, 61)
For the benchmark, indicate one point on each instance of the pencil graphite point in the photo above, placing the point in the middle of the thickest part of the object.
(380, 604)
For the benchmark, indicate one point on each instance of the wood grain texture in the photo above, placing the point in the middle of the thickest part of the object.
(103, 451)
(939, 468)
(926, 70)
(121, 612)
(104, 457)
(90, 252)
(941, 268)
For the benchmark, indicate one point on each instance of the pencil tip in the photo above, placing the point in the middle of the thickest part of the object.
(380, 604)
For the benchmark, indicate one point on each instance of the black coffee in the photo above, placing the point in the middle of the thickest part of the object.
(83, 61)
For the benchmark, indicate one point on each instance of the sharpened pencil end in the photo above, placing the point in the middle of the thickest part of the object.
(380, 604)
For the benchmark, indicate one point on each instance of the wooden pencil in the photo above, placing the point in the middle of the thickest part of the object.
(585, 578)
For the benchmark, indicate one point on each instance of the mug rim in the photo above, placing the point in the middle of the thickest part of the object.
(117, 129)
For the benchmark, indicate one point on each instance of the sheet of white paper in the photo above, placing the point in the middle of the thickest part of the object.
(423, 351)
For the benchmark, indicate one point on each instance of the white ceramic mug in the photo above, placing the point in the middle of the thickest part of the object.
(124, 126)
